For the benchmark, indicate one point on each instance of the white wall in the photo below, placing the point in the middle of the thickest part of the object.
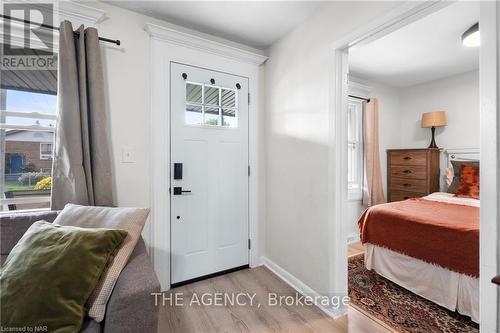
(458, 95)
(389, 122)
(128, 98)
(298, 82)
(127, 81)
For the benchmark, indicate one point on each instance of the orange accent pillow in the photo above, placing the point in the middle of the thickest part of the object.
(469, 182)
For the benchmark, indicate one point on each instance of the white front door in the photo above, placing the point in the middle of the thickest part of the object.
(209, 172)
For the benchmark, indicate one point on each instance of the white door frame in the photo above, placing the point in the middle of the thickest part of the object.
(402, 15)
(218, 255)
(169, 45)
(489, 76)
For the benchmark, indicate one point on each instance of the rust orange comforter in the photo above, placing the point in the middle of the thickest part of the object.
(440, 233)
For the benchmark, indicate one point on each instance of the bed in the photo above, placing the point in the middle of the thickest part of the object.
(429, 246)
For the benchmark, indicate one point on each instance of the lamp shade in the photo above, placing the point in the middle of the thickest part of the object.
(436, 119)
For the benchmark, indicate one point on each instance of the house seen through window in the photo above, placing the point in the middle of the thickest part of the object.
(28, 100)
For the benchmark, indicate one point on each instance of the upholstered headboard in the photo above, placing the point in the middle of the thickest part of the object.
(461, 154)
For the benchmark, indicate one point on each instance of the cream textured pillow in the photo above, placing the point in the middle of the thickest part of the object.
(449, 176)
(131, 220)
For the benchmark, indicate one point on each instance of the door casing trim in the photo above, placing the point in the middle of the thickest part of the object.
(163, 52)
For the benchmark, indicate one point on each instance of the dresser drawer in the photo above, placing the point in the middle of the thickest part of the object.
(406, 184)
(409, 171)
(403, 195)
(408, 157)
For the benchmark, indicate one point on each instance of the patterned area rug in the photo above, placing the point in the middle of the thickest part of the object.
(398, 308)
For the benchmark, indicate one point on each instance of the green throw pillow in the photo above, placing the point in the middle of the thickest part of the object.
(49, 275)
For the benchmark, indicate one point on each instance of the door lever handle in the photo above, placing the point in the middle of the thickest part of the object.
(178, 190)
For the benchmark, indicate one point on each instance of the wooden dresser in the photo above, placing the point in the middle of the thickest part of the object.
(412, 173)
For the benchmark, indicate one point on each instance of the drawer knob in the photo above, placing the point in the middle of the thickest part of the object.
(407, 158)
(407, 171)
(406, 184)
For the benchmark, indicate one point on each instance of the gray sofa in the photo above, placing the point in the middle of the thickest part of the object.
(131, 306)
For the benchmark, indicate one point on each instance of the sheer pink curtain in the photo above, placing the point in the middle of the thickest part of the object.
(373, 192)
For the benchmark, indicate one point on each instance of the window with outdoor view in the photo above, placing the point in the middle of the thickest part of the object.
(355, 148)
(211, 105)
(46, 151)
(28, 100)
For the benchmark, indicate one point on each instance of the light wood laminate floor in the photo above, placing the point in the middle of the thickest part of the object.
(194, 318)
(354, 248)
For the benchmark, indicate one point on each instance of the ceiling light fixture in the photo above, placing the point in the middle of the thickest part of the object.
(471, 37)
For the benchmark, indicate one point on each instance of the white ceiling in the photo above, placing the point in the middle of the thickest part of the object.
(425, 50)
(254, 23)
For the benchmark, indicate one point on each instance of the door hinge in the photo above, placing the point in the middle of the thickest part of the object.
(248, 98)
(249, 243)
(249, 171)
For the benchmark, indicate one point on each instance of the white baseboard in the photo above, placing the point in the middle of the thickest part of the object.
(301, 287)
(353, 238)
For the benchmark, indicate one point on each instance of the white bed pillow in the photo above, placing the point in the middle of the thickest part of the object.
(130, 219)
(449, 176)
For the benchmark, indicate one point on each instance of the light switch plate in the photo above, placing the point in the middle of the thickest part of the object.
(128, 155)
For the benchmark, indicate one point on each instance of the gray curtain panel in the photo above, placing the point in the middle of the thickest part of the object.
(82, 161)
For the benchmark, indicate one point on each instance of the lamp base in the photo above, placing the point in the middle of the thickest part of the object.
(433, 141)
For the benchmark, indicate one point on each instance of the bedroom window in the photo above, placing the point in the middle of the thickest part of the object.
(355, 148)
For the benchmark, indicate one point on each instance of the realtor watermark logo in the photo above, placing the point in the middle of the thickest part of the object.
(38, 328)
(245, 299)
(27, 38)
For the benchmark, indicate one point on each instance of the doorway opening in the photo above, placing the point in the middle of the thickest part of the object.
(345, 149)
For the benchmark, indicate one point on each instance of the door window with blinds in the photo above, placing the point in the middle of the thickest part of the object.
(355, 148)
(28, 100)
(211, 105)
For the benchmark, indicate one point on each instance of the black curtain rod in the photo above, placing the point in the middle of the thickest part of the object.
(117, 42)
(361, 98)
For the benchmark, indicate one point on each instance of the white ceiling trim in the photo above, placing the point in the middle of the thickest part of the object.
(69, 10)
(76, 13)
(359, 89)
(199, 43)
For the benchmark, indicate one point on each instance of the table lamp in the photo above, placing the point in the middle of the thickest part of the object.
(432, 120)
